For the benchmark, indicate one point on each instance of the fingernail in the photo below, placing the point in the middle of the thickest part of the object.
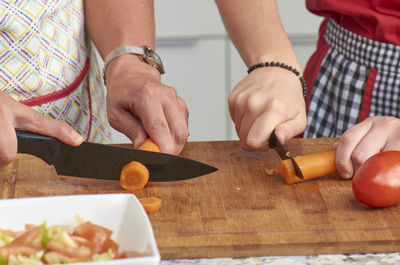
(78, 139)
(346, 175)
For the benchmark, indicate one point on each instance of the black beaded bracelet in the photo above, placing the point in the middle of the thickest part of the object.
(284, 66)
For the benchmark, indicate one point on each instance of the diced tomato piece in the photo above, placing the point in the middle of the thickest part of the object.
(31, 236)
(94, 233)
(110, 244)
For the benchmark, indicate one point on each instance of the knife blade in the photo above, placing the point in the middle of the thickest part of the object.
(92, 160)
(283, 153)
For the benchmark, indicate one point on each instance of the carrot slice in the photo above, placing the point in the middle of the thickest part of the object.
(312, 166)
(134, 176)
(150, 204)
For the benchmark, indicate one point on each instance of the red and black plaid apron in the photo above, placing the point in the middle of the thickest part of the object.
(352, 78)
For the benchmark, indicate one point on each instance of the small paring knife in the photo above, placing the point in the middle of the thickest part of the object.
(100, 161)
(283, 153)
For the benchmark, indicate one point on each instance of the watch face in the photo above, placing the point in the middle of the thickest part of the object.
(153, 59)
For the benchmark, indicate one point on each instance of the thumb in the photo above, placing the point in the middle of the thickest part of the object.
(8, 144)
(290, 129)
(30, 120)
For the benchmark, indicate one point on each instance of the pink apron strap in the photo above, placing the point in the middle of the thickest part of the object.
(34, 101)
(63, 93)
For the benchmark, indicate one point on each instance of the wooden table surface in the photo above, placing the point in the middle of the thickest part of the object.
(244, 209)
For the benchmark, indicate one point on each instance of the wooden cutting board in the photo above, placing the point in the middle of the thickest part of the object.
(244, 209)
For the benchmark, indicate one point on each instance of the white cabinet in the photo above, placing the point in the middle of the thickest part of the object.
(191, 40)
(296, 19)
(196, 68)
(182, 18)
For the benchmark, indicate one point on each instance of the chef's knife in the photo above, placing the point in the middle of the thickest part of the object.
(283, 153)
(91, 160)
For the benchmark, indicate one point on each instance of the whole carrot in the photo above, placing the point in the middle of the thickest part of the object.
(312, 166)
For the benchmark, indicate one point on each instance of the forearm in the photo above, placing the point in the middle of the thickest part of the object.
(255, 28)
(120, 22)
(138, 104)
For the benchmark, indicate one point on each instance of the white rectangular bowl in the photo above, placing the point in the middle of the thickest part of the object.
(122, 213)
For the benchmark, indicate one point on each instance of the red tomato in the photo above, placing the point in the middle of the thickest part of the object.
(377, 182)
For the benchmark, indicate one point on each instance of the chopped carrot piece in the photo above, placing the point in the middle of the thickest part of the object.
(312, 166)
(134, 176)
(150, 204)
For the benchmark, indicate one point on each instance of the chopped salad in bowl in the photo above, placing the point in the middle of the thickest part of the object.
(58, 244)
(115, 230)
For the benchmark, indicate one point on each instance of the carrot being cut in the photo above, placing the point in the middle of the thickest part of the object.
(149, 145)
(150, 204)
(312, 166)
(134, 176)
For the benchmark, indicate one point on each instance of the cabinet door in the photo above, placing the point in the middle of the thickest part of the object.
(183, 18)
(296, 19)
(196, 68)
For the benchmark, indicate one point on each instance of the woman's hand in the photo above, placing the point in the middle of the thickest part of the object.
(267, 98)
(373, 135)
(14, 115)
(140, 106)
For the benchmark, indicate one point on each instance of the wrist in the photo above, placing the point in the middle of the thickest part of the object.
(291, 60)
(278, 64)
(145, 53)
(127, 64)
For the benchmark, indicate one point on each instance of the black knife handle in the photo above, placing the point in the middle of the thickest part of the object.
(39, 145)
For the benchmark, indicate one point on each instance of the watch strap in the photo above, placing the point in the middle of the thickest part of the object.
(118, 52)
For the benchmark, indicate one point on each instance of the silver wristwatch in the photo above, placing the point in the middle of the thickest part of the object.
(148, 55)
